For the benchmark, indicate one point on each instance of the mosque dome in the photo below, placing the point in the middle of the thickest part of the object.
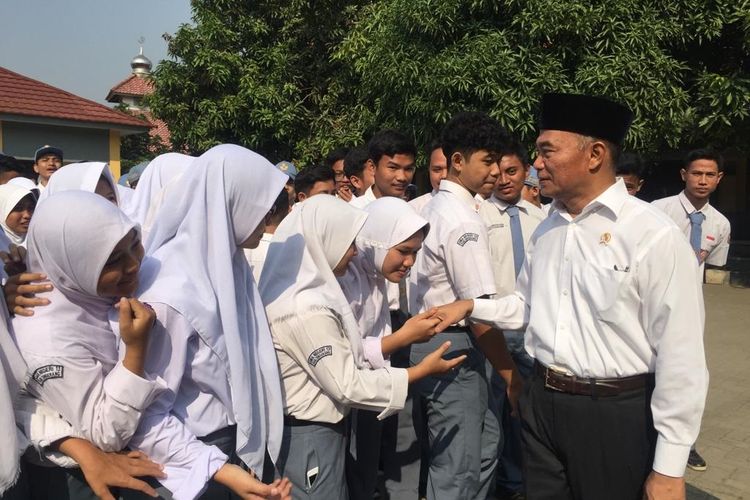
(141, 64)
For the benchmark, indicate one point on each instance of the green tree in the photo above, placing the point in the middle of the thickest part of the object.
(294, 78)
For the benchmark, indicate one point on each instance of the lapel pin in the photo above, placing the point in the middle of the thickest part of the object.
(605, 239)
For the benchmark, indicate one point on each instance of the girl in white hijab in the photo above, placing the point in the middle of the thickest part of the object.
(69, 346)
(386, 248)
(163, 170)
(211, 342)
(16, 208)
(93, 177)
(319, 347)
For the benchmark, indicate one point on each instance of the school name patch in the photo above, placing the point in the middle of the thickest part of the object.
(44, 373)
(467, 237)
(318, 354)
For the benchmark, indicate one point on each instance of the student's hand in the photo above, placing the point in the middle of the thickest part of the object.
(661, 487)
(14, 260)
(111, 470)
(345, 193)
(434, 363)
(20, 292)
(248, 487)
(420, 327)
(514, 390)
(136, 320)
(450, 314)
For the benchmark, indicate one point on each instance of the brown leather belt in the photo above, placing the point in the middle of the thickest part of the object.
(595, 387)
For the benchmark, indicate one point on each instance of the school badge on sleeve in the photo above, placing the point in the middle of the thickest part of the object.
(44, 373)
(318, 354)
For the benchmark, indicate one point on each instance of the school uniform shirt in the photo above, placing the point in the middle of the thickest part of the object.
(715, 229)
(454, 262)
(390, 221)
(364, 200)
(69, 346)
(497, 220)
(257, 256)
(198, 402)
(316, 336)
(420, 202)
(218, 321)
(612, 293)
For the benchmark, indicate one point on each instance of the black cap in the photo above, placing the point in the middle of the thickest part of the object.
(48, 150)
(587, 115)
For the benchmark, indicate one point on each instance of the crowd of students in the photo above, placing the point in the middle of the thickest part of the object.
(231, 328)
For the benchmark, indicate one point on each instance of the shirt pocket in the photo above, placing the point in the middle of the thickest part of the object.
(603, 288)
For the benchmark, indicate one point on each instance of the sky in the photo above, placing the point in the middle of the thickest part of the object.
(85, 46)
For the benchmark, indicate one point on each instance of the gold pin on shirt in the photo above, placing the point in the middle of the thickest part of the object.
(605, 239)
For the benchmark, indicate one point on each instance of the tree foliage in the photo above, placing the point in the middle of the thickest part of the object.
(293, 78)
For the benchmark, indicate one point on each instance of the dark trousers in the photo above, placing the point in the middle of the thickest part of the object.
(585, 448)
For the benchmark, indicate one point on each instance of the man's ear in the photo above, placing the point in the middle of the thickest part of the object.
(719, 177)
(598, 154)
(301, 197)
(457, 162)
(683, 175)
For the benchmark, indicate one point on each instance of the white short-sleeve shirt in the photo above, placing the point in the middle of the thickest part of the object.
(454, 262)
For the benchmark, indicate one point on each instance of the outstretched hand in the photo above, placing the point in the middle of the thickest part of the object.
(451, 314)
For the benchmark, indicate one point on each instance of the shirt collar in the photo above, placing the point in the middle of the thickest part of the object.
(461, 192)
(613, 198)
(689, 208)
(503, 205)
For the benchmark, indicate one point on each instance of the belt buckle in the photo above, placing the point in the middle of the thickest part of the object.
(547, 383)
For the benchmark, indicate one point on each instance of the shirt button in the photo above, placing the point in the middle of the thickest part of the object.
(565, 292)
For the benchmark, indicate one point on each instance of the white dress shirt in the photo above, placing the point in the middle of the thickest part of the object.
(613, 292)
(714, 230)
(420, 202)
(320, 376)
(257, 256)
(454, 262)
(364, 200)
(197, 403)
(494, 215)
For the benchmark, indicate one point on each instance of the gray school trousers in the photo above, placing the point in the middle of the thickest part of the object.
(312, 457)
(463, 430)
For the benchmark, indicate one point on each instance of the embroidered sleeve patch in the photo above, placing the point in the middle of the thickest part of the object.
(467, 237)
(44, 373)
(318, 354)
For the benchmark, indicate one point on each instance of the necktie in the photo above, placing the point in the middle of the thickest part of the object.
(516, 236)
(696, 219)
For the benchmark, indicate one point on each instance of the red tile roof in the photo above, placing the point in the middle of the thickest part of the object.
(21, 95)
(131, 86)
(160, 129)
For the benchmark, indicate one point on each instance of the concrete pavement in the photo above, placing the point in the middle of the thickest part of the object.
(725, 434)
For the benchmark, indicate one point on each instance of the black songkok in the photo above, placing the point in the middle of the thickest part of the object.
(586, 115)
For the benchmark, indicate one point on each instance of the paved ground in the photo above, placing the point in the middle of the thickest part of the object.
(725, 435)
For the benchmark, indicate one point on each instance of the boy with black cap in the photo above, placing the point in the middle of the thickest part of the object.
(615, 324)
(47, 160)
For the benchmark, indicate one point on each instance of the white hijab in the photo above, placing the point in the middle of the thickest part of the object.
(79, 176)
(391, 221)
(298, 273)
(70, 239)
(202, 273)
(12, 373)
(162, 170)
(10, 195)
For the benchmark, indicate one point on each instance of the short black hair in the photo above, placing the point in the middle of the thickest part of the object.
(515, 148)
(390, 142)
(432, 146)
(307, 178)
(631, 164)
(281, 204)
(334, 156)
(704, 154)
(472, 131)
(355, 160)
(10, 164)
